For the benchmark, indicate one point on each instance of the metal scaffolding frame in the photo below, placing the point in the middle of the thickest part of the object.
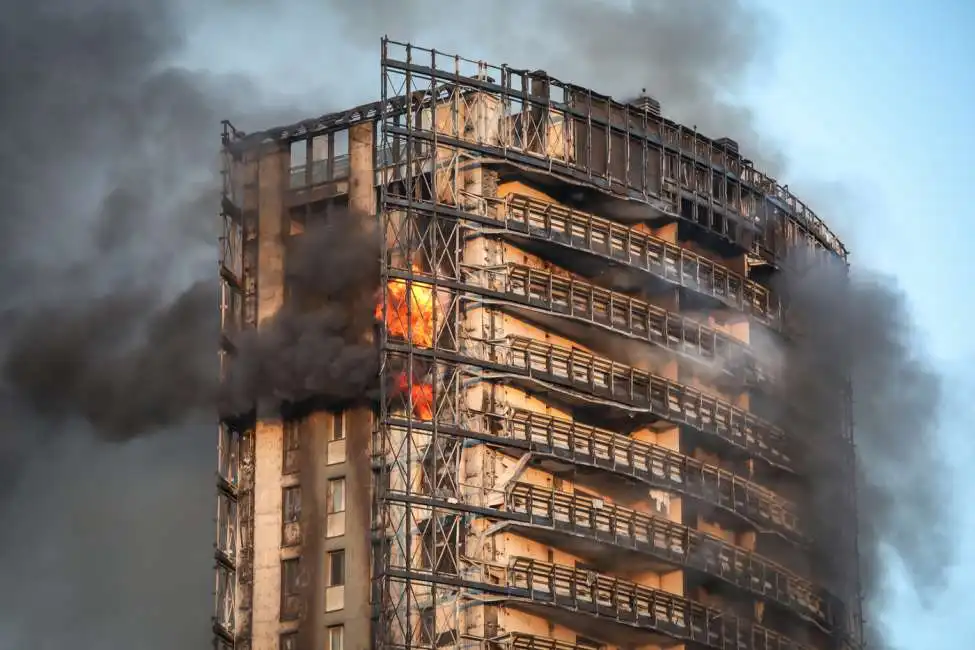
(426, 212)
(441, 116)
(235, 444)
(523, 217)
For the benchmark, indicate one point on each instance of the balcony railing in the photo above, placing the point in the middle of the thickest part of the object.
(668, 261)
(571, 115)
(651, 464)
(670, 541)
(619, 312)
(662, 397)
(521, 641)
(579, 590)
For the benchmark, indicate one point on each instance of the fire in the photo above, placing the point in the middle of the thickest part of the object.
(413, 316)
(422, 397)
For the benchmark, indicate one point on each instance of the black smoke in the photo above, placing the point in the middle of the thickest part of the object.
(120, 362)
(318, 345)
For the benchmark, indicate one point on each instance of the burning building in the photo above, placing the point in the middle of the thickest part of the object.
(576, 443)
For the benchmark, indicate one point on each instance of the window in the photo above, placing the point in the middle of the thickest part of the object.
(292, 445)
(335, 507)
(299, 161)
(340, 154)
(336, 568)
(290, 589)
(338, 427)
(291, 516)
(292, 504)
(229, 451)
(336, 439)
(226, 525)
(299, 153)
(336, 637)
(336, 495)
(289, 641)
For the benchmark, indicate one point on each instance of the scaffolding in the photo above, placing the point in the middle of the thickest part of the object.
(449, 130)
(235, 443)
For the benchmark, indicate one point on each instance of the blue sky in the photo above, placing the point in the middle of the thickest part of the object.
(870, 101)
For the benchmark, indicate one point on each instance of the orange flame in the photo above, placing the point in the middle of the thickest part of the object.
(415, 315)
(422, 397)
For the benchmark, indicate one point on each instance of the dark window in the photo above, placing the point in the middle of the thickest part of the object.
(292, 446)
(289, 641)
(292, 504)
(338, 427)
(291, 579)
(336, 568)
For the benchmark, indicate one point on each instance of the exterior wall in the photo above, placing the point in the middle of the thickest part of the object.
(307, 617)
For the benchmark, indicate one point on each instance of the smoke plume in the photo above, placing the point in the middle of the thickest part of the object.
(107, 323)
(855, 324)
(691, 55)
(317, 345)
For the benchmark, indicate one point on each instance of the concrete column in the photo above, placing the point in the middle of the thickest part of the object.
(358, 477)
(269, 437)
(362, 175)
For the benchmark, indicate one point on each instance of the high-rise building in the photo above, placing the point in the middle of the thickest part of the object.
(573, 445)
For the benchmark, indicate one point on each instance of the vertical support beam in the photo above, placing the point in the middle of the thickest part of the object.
(269, 436)
(358, 477)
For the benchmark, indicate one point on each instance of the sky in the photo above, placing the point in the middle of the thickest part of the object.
(861, 106)
(878, 95)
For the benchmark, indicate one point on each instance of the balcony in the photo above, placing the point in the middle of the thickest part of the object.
(651, 464)
(578, 299)
(644, 392)
(522, 216)
(619, 141)
(616, 242)
(624, 602)
(669, 541)
(520, 641)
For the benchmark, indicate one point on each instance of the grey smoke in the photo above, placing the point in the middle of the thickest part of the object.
(856, 324)
(108, 224)
(691, 55)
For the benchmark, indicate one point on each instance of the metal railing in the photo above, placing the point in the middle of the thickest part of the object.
(651, 464)
(668, 261)
(667, 399)
(633, 317)
(619, 526)
(523, 119)
(522, 641)
(597, 594)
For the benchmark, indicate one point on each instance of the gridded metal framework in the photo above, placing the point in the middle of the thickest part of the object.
(235, 444)
(459, 116)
